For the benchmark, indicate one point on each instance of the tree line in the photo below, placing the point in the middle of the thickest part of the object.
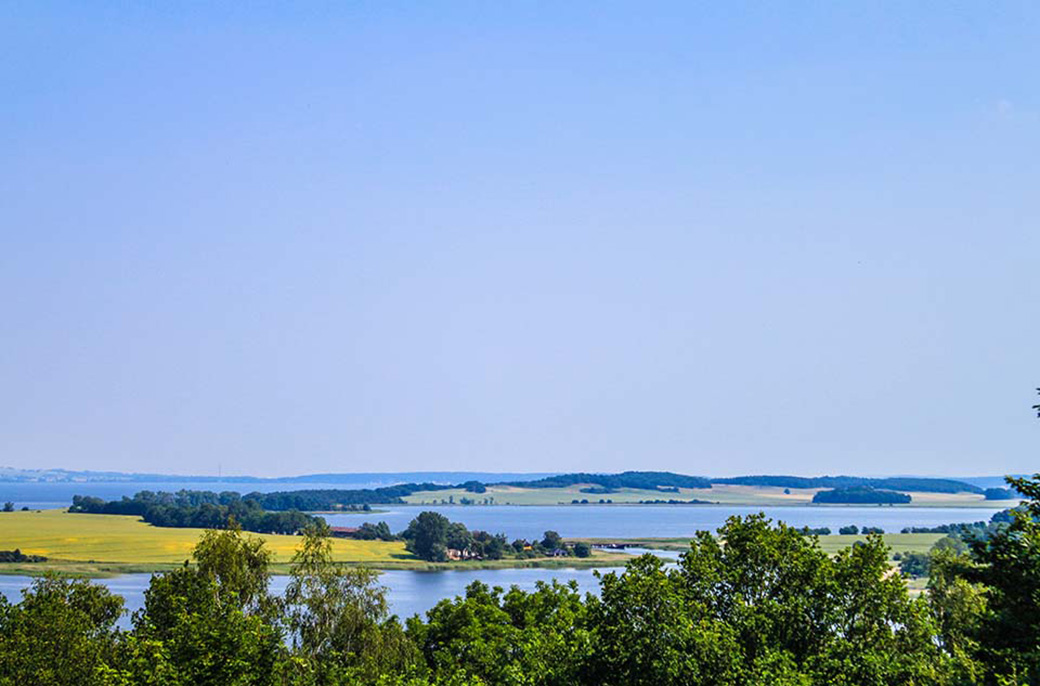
(860, 495)
(198, 509)
(758, 603)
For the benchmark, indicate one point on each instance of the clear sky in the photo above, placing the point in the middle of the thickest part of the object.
(715, 238)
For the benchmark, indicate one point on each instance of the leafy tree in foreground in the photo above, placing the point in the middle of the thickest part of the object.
(209, 624)
(237, 564)
(1004, 572)
(63, 632)
(338, 617)
(763, 605)
(518, 638)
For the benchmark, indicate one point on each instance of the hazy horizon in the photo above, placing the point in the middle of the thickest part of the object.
(722, 240)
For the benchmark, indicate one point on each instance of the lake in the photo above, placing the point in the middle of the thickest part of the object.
(412, 592)
(661, 521)
(48, 495)
(408, 592)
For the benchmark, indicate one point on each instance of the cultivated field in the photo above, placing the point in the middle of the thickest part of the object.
(725, 494)
(98, 544)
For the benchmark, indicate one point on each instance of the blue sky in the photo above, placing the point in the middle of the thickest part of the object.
(712, 238)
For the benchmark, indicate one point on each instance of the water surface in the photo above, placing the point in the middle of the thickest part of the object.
(660, 521)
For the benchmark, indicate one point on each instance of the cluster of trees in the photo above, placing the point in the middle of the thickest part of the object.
(375, 532)
(767, 606)
(17, 555)
(642, 480)
(852, 530)
(197, 509)
(335, 499)
(433, 537)
(856, 495)
(969, 531)
(998, 494)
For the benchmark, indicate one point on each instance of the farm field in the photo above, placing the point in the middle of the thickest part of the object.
(724, 494)
(90, 545)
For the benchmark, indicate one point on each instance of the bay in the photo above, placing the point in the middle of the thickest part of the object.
(408, 592)
(659, 521)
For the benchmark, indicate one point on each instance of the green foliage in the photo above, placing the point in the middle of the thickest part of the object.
(861, 495)
(521, 638)
(1006, 566)
(640, 480)
(757, 604)
(766, 606)
(551, 541)
(17, 555)
(62, 632)
(337, 616)
(193, 632)
(236, 564)
(427, 536)
(197, 509)
(375, 532)
(915, 565)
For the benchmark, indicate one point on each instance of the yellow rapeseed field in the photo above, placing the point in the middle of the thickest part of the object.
(60, 535)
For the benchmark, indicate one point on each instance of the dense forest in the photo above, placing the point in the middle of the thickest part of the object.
(767, 607)
(646, 480)
(860, 495)
(198, 509)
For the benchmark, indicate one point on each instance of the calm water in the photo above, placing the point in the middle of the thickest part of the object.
(409, 592)
(515, 521)
(412, 592)
(46, 496)
(662, 521)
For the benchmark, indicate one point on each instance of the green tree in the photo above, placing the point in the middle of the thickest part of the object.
(518, 638)
(338, 616)
(551, 541)
(188, 633)
(459, 537)
(62, 632)
(1006, 566)
(237, 564)
(209, 624)
(427, 536)
(763, 604)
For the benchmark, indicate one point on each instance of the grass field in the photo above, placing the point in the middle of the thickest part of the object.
(725, 494)
(899, 543)
(94, 545)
